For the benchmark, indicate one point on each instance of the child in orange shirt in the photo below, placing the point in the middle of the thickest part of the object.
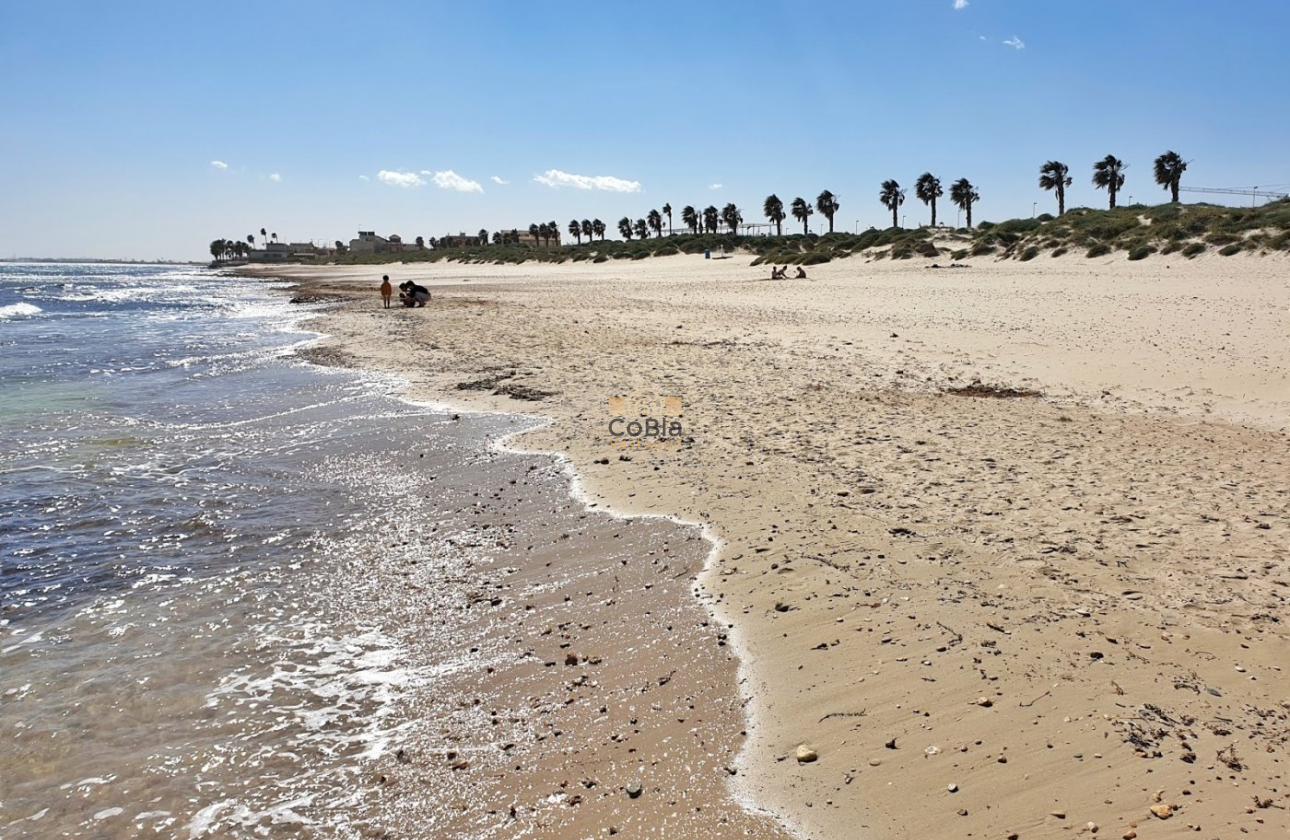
(386, 290)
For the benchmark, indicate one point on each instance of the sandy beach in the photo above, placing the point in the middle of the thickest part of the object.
(997, 551)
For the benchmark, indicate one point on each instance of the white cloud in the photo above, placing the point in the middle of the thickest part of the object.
(1016, 43)
(399, 179)
(983, 38)
(715, 186)
(555, 178)
(496, 179)
(364, 178)
(219, 164)
(275, 178)
(960, 4)
(450, 180)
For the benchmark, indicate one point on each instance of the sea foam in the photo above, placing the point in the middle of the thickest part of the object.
(19, 310)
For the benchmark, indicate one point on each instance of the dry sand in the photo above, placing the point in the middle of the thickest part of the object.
(987, 617)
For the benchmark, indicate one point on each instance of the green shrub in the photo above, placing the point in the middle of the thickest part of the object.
(600, 258)
(926, 249)
(984, 225)
(1234, 248)
(1172, 247)
(1193, 249)
(1141, 252)
(815, 258)
(1221, 239)
(959, 254)
(1029, 254)
(1018, 225)
(1046, 217)
(1101, 249)
(982, 248)
(1059, 252)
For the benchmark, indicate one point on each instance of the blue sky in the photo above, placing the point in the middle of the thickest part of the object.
(112, 116)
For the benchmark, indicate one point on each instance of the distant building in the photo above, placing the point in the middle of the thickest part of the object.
(305, 251)
(369, 243)
(271, 252)
(523, 237)
(461, 240)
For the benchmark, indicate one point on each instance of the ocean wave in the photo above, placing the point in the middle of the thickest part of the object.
(19, 310)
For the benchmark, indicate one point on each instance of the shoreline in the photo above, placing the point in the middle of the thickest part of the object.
(795, 795)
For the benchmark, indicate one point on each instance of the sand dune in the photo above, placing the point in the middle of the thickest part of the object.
(982, 616)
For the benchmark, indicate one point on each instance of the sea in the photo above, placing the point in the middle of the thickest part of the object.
(230, 579)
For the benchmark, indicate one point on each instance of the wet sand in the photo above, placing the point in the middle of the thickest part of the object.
(983, 616)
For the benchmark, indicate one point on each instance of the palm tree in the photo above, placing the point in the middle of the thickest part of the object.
(802, 211)
(732, 217)
(827, 203)
(575, 230)
(1169, 169)
(690, 219)
(892, 196)
(264, 236)
(544, 231)
(928, 189)
(552, 232)
(587, 229)
(655, 222)
(642, 228)
(598, 228)
(250, 239)
(1108, 174)
(497, 237)
(483, 237)
(963, 194)
(625, 228)
(710, 219)
(773, 209)
(535, 232)
(275, 237)
(667, 211)
(421, 242)
(217, 248)
(1055, 175)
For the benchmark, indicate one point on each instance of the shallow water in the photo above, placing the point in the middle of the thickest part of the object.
(246, 596)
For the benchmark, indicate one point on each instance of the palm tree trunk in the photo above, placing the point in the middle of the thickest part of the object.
(969, 214)
(1173, 188)
(1061, 200)
(894, 221)
(1111, 190)
(933, 212)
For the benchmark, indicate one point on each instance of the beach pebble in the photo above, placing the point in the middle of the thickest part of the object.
(1092, 827)
(874, 762)
(1163, 810)
(952, 788)
(633, 789)
(984, 702)
(1129, 835)
(805, 754)
(1061, 815)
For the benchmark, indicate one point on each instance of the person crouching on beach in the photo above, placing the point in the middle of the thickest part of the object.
(387, 291)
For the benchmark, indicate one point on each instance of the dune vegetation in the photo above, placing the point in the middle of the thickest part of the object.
(1132, 232)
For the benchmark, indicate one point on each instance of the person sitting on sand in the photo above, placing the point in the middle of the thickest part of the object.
(386, 290)
(405, 294)
(801, 273)
(774, 272)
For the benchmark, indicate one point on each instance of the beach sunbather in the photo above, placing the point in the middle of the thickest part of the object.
(801, 273)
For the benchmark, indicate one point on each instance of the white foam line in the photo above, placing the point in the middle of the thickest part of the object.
(743, 656)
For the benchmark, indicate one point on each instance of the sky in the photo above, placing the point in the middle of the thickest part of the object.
(146, 129)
